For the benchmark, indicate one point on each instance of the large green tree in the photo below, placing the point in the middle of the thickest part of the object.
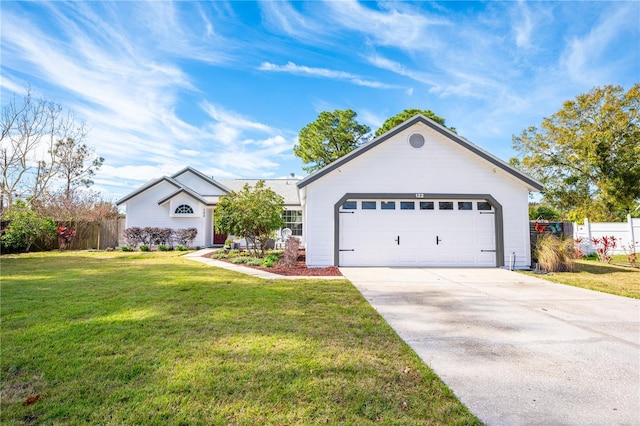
(252, 213)
(407, 114)
(587, 155)
(331, 136)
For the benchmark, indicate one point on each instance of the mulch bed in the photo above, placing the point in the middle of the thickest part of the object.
(300, 268)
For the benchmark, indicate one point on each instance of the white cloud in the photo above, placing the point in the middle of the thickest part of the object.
(587, 58)
(282, 17)
(292, 68)
(399, 25)
(524, 26)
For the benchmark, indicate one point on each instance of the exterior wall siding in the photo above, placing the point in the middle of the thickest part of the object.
(439, 167)
(196, 183)
(143, 210)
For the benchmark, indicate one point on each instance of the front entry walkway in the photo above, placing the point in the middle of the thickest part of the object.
(515, 349)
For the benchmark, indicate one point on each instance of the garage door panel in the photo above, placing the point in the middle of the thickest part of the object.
(417, 237)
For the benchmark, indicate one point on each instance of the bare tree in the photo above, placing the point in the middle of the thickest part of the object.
(31, 130)
(77, 164)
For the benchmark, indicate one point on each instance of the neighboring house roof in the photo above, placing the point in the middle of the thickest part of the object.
(286, 188)
(529, 181)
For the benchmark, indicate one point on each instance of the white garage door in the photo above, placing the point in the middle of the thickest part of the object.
(417, 233)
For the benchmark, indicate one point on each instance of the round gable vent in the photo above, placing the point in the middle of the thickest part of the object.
(416, 140)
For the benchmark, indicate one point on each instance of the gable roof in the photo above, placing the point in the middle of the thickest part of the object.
(187, 191)
(285, 187)
(147, 186)
(529, 181)
(201, 176)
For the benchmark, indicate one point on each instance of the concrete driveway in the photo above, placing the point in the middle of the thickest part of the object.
(516, 350)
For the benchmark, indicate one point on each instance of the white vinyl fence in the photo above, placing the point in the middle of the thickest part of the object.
(627, 234)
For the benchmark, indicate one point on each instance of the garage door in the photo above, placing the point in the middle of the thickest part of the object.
(436, 232)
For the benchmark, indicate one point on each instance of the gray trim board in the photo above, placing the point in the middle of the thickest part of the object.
(438, 128)
(498, 218)
(188, 192)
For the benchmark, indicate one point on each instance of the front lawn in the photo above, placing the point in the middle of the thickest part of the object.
(153, 338)
(599, 276)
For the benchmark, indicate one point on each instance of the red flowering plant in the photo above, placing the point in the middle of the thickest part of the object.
(604, 247)
(65, 235)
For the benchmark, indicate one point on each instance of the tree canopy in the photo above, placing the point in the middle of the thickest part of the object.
(331, 136)
(587, 155)
(407, 114)
(253, 213)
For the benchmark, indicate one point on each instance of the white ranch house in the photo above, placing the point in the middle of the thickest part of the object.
(418, 195)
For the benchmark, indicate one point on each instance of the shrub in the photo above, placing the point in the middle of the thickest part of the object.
(162, 247)
(272, 259)
(604, 247)
(268, 263)
(255, 261)
(127, 248)
(220, 254)
(165, 237)
(237, 253)
(290, 255)
(145, 247)
(239, 259)
(133, 236)
(25, 227)
(182, 248)
(630, 251)
(186, 236)
(554, 254)
(65, 235)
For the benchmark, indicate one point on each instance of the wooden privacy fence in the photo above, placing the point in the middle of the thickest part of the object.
(97, 235)
(537, 228)
(89, 235)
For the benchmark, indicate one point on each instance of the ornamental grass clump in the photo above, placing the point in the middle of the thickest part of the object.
(554, 254)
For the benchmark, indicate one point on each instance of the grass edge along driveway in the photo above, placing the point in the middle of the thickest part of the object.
(151, 338)
(598, 276)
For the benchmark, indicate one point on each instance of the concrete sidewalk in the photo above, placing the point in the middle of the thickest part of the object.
(516, 350)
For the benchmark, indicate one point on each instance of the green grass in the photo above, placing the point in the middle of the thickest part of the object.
(152, 338)
(594, 275)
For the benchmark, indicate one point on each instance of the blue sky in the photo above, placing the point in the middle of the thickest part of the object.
(225, 87)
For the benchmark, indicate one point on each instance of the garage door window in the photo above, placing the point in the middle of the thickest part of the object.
(426, 205)
(483, 205)
(349, 205)
(407, 205)
(465, 205)
(368, 205)
(445, 205)
(387, 205)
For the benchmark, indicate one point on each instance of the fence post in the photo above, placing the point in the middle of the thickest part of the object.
(587, 228)
(632, 237)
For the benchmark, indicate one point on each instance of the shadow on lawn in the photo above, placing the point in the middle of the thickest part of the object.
(602, 268)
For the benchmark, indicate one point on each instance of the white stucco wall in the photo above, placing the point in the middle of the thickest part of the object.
(440, 166)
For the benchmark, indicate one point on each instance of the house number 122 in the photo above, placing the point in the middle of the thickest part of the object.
(419, 195)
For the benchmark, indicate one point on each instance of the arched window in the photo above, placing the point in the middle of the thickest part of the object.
(184, 209)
